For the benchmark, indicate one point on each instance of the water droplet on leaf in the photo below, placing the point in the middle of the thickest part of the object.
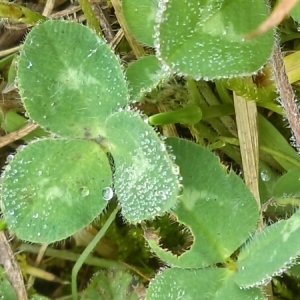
(175, 170)
(9, 158)
(265, 175)
(107, 193)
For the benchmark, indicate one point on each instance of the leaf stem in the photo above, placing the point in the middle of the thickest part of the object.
(88, 250)
(286, 92)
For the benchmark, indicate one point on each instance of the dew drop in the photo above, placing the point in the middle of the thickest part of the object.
(163, 147)
(9, 158)
(175, 170)
(107, 193)
(180, 190)
(265, 175)
(20, 148)
(35, 216)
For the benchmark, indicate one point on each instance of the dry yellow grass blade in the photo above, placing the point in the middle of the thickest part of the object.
(136, 48)
(18, 134)
(246, 119)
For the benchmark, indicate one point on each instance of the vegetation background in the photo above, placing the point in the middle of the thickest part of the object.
(251, 123)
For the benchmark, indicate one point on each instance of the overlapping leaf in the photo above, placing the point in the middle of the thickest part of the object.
(205, 39)
(140, 17)
(263, 257)
(113, 284)
(144, 75)
(145, 178)
(210, 284)
(217, 207)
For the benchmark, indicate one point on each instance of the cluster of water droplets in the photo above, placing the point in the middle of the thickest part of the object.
(147, 184)
(162, 6)
(210, 48)
(13, 193)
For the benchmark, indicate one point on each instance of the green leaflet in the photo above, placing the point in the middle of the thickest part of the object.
(74, 77)
(145, 177)
(205, 39)
(286, 192)
(53, 188)
(6, 289)
(140, 17)
(219, 225)
(144, 75)
(204, 284)
(295, 270)
(295, 13)
(112, 284)
(19, 13)
(271, 138)
(190, 114)
(263, 257)
(215, 205)
(12, 121)
(288, 184)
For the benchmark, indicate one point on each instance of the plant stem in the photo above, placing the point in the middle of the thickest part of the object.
(71, 256)
(88, 250)
(286, 93)
(11, 267)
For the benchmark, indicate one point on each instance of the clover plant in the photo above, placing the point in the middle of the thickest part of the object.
(87, 115)
(222, 215)
(98, 146)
